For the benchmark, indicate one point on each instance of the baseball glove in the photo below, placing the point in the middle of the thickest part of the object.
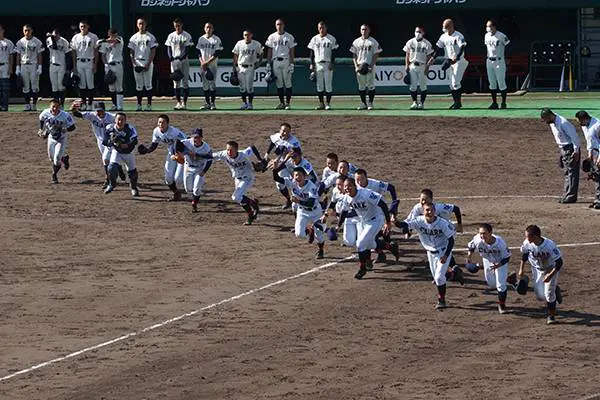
(591, 169)
(117, 139)
(270, 77)
(446, 64)
(176, 75)
(66, 80)
(523, 285)
(142, 149)
(363, 69)
(178, 157)
(260, 166)
(209, 75)
(234, 79)
(110, 77)
(42, 133)
(139, 68)
(313, 76)
(75, 79)
(472, 267)
(407, 79)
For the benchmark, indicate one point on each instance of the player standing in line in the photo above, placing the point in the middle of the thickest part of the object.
(29, 66)
(495, 255)
(121, 138)
(195, 152)
(210, 47)
(437, 237)
(142, 50)
(309, 212)
(496, 41)
(567, 140)
(169, 135)
(419, 55)
(85, 62)
(322, 61)
(60, 61)
(179, 44)
(546, 261)
(7, 48)
(365, 51)
(111, 50)
(247, 56)
(453, 44)
(280, 55)
(591, 130)
(54, 125)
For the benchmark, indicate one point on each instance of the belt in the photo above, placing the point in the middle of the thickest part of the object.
(246, 65)
(26, 63)
(84, 59)
(242, 178)
(568, 148)
(416, 63)
(2, 63)
(323, 62)
(494, 58)
(436, 251)
(281, 58)
(115, 62)
(56, 65)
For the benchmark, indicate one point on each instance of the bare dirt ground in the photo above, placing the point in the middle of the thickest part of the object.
(79, 268)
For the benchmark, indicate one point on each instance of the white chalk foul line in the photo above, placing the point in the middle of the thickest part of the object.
(171, 320)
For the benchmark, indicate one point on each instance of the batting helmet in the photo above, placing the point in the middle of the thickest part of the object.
(407, 79)
(313, 76)
(75, 79)
(363, 69)
(446, 64)
(270, 77)
(523, 285)
(177, 75)
(66, 80)
(472, 267)
(110, 77)
(209, 75)
(234, 79)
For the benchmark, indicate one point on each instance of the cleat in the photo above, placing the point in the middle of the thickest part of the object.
(369, 106)
(441, 304)
(280, 106)
(122, 174)
(493, 106)
(34, 107)
(176, 196)
(501, 308)
(244, 106)
(206, 106)
(551, 320)
(27, 107)
(183, 106)
(138, 108)
(105, 184)
(458, 275)
(319, 254)
(177, 106)
(361, 272)
(414, 106)
(362, 106)
(287, 205)
(250, 107)
(321, 106)
(148, 107)
(559, 296)
(456, 106)
(503, 106)
(109, 189)
(420, 106)
(213, 106)
(65, 161)
(135, 192)
(381, 258)
(395, 251)
(249, 220)
(287, 106)
(327, 107)
(256, 209)
(194, 206)
(369, 265)
(54, 178)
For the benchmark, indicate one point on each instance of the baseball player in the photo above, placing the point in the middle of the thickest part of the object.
(7, 48)
(591, 130)
(285, 169)
(281, 54)
(546, 261)
(60, 61)
(351, 220)
(437, 237)
(169, 135)
(365, 51)
(309, 212)
(453, 44)
(195, 166)
(322, 61)
(247, 56)
(331, 166)
(85, 62)
(209, 47)
(567, 140)
(121, 138)
(111, 50)
(495, 255)
(443, 210)
(54, 125)
(344, 168)
(496, 42)
(373, 215)
(179, 44)
(142, 50)
(419, 55)
(29, 66)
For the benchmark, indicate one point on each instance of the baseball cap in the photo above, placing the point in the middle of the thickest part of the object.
(197, 132)
(99, 106)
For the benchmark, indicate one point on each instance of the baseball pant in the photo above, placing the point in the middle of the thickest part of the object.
(367, 232)
(85, 70)
(206, 84)
(246, 77)
(496, 71)
(184, 67)
(456, 71)
(597, 198)
(31, 80)
(571, 171)
(4, 92)
(350, 231)
(418, 77)
(173, 171)
(544, 291)
(496, 278)
(284, 173)
(104, 151)
(438, 270)
(282, 72)
(303, 218)
(366, 81)
(193, 182)
(324, 77)
(57, 149)
(118, 158)
(242, 185)
(57, 73)
(118, 70)
(144, 79)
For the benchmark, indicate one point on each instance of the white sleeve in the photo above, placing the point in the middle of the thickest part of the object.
(440, 43)
(269, 42)
(413, 213)
(504, 250)
(406, 49)
(153, 42)
(219, 45)
(378, 47)
(131, 43)
(472, 246)
(461, 40)
(247, 151)
(168, 41)
(236, 49)
(219, 155)
(311, 44)
(353, 48)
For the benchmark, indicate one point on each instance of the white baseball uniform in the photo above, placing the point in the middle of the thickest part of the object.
(322, 47)
(542, 259)
(195, 167)
(99, 129)
(56, 126)
(452, 43)
(207, 46)
(443, 210)
(84, 47)
(7, 48)
(30, 70)
(365, 50)
(241, 171)
(141, 44)
(283, 146)
(173, 170)
(350, 225)
(496, 61)
(57, 51)
(117, 155)
(180, 44)
(371, 218)
(418, 52)
(248, 55)
(493, 253)
(305, 213)
(329, 175)
(282, 44)
(112, 55)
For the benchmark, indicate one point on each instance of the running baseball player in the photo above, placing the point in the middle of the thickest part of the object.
(29, 66)
(495, 255)
(285, 169)
(322, 61)
(209, 47)
(453, 44)
(344, 168)
(373, 215)
(591, 130)
(169, 135)
(437, 237)
(365, 51)
(309, 212)
(111, 51)
(419, 55)
(85, 62)
(546, 261)
(331, 166)
(7, 48)
(443, 210)
(196, 167)
(350, 224)
(54, 125)
(495, 42)
(121, 138)
(142, 50)
(179, 45)
(281, 54)
(567, 140)
(247, 56)
(60, 61)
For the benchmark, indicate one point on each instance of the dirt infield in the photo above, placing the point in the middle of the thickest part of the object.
(79, 268)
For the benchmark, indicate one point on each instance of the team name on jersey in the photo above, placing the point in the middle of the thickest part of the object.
(281, 42)
(248, 52)
(324, 45)
(431, 232)
(489, 250)
(207, 46)
(237, 164)
(359, 205)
